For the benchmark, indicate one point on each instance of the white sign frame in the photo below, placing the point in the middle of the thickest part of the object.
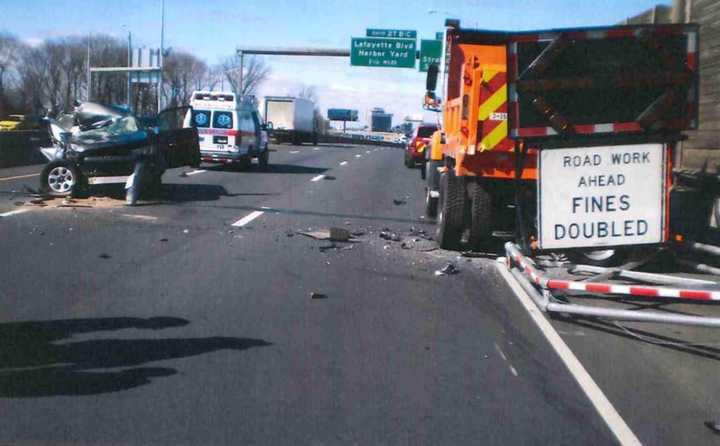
(566, 202)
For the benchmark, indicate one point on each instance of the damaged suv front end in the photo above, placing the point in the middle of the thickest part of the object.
(105, 145)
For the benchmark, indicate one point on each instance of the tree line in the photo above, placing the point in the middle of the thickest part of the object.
(49, 77)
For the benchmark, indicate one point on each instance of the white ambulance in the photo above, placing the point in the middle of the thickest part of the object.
(229, 127)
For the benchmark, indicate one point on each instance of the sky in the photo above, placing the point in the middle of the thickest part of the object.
(214, 29)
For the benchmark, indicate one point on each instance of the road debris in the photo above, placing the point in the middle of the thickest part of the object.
(713, 426)
(104, 256)
(447, 270)
(328, 177)
(332, 234)
(315, 295)
(399, 201)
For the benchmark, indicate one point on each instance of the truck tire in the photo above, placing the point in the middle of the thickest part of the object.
(597, 257)
(451, 207)
(432, 179)
(431, 204)
(264, 160)
(408, 161)
(59, 178)
(481, 215)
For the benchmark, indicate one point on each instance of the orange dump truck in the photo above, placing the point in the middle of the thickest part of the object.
(564, 136)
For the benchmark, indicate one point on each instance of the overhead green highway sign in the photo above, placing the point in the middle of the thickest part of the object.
(392, 33)
(430, 51)
(382, 52)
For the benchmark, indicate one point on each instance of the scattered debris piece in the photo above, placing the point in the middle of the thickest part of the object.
(19, 203)
(290, 233)
(104, 256)
(713, 426)
(339, 234)
(357, 233)
(315, 295)
(447, 270)
(399, 202)
(163, 240)
(332, 234)
(473, 255)
(328, 177)
(183, 174)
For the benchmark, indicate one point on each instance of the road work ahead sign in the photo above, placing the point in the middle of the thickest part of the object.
(601, 196)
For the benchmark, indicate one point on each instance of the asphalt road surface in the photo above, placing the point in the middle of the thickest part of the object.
(191, 320)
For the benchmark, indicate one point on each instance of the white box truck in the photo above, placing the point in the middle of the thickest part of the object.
(290, 119)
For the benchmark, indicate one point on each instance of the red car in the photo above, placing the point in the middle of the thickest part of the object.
(415, 150)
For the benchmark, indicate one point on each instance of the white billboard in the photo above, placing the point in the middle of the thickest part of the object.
(601, 196)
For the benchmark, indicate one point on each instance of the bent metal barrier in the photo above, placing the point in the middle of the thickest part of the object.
(530, 278)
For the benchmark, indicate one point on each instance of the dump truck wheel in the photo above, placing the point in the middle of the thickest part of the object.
(450, 213)
(431, 204)
(481, 217)
(59, 179)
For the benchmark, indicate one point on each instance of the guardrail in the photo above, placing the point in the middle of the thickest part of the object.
(21, 148)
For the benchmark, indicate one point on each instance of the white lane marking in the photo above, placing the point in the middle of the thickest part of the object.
(195, 172)
(140, 217)
(358, 156)
(20, 177)
(316, 148)
(247, 219)
(318, 178)
(513, 370)
(603, 406)
(15, 212)
(367, 151)
(266, 208)
(499, 350)
(294, 151)
(343, 163)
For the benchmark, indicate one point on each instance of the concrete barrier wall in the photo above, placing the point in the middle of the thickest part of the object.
(21, 148)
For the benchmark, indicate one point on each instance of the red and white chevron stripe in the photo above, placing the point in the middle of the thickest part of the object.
(514, 255)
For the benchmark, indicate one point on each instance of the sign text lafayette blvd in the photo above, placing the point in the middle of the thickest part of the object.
(380, 52)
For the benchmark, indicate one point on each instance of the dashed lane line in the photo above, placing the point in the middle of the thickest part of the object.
(318, 178)
(602, 404)
(15, 212)
(294, 151)
(358, 156)
(247, 219)
(195, 172)
(343, 163)
(19, 177)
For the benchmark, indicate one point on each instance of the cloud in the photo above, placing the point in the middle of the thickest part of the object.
(33, 41)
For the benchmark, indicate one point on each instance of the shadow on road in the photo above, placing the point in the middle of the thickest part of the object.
(33, 363)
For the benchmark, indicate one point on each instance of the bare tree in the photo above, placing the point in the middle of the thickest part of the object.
(10, 49)
(255, 72)
(182, 73)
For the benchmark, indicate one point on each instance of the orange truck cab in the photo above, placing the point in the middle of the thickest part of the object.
(553, 111)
